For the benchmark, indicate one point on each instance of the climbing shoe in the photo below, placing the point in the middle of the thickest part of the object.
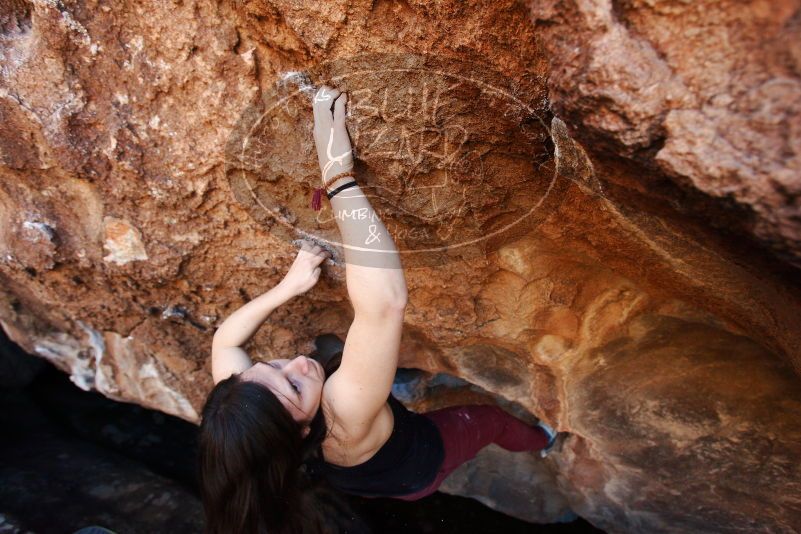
(551, 438)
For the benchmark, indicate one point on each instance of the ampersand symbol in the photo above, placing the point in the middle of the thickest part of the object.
(373, 235)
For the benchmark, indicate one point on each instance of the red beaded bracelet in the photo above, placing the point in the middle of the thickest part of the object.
(316, 202)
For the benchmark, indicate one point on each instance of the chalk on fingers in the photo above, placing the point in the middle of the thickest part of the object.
(333, 256)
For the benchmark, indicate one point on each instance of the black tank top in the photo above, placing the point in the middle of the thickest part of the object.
(406, 463)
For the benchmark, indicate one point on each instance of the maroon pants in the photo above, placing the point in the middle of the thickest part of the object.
(466, 430)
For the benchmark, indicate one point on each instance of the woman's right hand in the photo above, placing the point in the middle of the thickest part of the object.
(305, 270)
(334, 151)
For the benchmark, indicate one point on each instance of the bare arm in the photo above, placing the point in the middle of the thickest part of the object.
(240, 326)
(358, 390)
(227, 355)
(373, 268)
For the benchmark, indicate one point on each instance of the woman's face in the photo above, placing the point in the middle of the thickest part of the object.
(298, 384)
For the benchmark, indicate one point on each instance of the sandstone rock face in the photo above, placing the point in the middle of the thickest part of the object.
(707, 94)
(598, 204)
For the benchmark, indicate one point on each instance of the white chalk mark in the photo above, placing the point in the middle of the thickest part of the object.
(42, 229)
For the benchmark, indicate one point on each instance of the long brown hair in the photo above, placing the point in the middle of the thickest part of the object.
(251, 465)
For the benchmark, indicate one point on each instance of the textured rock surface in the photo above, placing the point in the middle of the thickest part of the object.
(598, 203)
(705, 93)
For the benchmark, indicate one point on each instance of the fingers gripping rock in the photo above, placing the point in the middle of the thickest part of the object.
(334, 258)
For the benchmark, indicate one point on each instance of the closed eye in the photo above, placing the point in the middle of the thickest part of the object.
(291, 384)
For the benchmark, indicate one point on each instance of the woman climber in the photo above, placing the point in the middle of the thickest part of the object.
(273, 433)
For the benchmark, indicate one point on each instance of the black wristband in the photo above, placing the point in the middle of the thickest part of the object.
(340, 188)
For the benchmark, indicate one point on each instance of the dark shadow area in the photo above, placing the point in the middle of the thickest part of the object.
(72, 458)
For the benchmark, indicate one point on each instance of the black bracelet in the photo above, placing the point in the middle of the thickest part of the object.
(340, 188)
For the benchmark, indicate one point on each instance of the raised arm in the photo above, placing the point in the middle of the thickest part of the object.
(375, 279)
(227, 355)
(373, 268)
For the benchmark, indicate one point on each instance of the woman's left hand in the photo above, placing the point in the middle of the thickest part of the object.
(305, 271)
(334, 150)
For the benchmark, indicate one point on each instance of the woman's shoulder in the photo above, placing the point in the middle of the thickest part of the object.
(343, 403)
(348, 424)
(348, 444)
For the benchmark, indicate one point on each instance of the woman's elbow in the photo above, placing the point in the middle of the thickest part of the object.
(395, 297)
(400, 301)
